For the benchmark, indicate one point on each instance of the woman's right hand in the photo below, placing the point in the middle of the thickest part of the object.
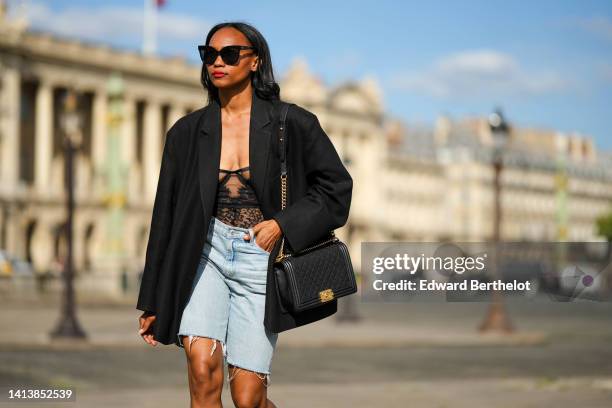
(146, 321)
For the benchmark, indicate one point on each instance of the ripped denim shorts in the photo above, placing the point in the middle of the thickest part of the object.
(228, 297)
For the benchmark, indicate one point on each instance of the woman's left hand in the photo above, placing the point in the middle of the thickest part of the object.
(267, 233)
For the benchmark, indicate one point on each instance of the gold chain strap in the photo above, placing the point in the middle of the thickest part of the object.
(281, 255)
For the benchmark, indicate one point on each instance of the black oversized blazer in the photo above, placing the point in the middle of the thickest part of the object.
(319, 190)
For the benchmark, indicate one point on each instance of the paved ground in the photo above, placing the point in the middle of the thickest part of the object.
(561, 356)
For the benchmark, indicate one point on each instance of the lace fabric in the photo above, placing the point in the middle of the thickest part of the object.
(237, 203)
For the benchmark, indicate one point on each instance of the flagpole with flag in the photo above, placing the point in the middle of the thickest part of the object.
(149, 36)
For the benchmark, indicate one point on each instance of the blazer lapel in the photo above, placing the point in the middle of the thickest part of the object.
(209, 149)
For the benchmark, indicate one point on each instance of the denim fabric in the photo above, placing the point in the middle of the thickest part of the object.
(228, 298)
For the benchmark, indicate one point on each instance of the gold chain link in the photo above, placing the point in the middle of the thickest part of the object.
(281, 255)
(283, 203)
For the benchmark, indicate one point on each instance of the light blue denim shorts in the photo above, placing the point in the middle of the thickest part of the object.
(228, 297)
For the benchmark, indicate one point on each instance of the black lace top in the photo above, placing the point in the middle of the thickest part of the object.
(237, 203)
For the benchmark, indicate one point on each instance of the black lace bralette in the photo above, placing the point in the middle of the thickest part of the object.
(237, 202)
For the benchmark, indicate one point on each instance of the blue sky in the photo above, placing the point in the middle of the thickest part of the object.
(547, 63)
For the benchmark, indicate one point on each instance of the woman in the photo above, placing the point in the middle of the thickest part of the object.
(217, 221)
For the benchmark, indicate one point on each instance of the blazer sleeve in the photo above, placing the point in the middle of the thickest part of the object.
(326, 204)
(161, 224)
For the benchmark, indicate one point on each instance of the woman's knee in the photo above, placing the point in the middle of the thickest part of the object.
(245, 399)
(205, 366)
(248, 389)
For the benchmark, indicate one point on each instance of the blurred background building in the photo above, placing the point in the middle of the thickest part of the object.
(413, 182)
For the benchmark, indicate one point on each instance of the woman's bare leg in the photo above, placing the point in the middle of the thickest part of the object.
(249, 388)
(205, 371)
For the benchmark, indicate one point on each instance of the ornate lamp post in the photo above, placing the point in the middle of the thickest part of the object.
(561, 196)
(497, 319)
(68, 326)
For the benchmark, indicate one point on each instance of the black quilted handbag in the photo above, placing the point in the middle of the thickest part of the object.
(317, 274)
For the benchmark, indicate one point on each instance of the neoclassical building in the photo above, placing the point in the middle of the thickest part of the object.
(37, 70)
(412, 182)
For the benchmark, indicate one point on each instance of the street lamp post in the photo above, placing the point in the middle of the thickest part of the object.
(68, 325)
(497, 319)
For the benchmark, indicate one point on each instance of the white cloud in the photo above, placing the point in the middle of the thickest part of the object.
(477, 73)
(106, 23)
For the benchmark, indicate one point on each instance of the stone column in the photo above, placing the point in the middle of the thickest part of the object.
(9, 114)
(42, 246)
(152, 148)
(43, 137)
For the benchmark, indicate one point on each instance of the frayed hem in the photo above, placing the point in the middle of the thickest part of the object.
(264, 377)
(194, 337)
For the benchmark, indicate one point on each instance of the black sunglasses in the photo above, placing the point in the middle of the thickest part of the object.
(230, 53)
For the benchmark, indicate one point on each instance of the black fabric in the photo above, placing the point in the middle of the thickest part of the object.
(319, 200)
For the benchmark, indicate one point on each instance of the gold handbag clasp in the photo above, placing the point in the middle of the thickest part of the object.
(326, 295)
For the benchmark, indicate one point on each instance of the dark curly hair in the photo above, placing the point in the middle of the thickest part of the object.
(262, 80)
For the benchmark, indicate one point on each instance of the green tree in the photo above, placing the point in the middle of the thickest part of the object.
(604, 226)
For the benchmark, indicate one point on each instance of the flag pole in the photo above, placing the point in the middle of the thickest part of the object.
(149, 27)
